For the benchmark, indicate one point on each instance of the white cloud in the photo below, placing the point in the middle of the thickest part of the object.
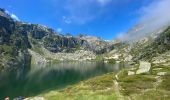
(14, 17)
(103, 2)
(67, 20)
(153, 17)
(83, 11)
(121, 36)
(157, 13)
(59, 30)
(6, 11)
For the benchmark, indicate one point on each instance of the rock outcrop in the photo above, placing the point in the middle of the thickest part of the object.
(13, 45)
(144, 67)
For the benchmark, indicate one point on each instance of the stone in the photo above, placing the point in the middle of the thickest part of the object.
(144, 67)
(105, 61)
(38, 98)
(161, 73)
(116, 56)
(131, 73)
(128, 58)
(157, 69)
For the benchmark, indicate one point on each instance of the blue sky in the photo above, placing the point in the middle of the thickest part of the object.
(102, 18)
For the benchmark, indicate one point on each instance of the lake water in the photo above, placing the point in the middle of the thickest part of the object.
(41, 78)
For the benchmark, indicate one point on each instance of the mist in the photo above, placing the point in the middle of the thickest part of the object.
(154, 18)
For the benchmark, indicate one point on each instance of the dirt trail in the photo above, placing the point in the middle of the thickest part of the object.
(117, 90)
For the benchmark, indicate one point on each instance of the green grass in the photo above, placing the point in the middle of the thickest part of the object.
(38, 49)
(8, 49)
(1, 67)
(98, 88)
(153, 95)
(165, 84)
(142, 87)
(101, 82)
(163, 69)
(8, 52)
(81, 96)
(134, 84)
(111, 61)
(134, 78)
(99, 58)
(137, 87)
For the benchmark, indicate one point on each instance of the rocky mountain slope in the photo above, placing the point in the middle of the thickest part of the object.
(147, 47)
(13, 44)
(22, 43)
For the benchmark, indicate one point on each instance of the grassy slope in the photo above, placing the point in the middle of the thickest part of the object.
(98, 88)
(148, 86)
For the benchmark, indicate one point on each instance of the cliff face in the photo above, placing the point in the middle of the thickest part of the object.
(17, 37)
(13, 45)
(55, 42)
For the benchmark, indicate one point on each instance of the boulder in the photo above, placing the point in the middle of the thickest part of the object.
(128, 58)
(144, 67)
(161, 73)
(131, 73)
(36, 98)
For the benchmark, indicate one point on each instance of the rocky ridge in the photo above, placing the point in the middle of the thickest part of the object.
(20, 42)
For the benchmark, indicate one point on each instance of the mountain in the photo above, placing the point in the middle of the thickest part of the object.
(24, 43)
(140, 43)
(13, 44)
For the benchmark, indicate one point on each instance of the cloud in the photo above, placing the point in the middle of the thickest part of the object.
(13, 16)
(152, 18)
(67, 20)
(103, 2)
(157, 14)
(83, 11)
(59, 30)
(121, 36)
(6, 11)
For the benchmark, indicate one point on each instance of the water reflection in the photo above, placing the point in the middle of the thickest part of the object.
(52, 76)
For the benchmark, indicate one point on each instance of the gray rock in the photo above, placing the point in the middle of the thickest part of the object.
(131, 73)
(161, 73)
(144, 67)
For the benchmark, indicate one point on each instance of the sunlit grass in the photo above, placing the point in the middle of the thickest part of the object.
(98, 88)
